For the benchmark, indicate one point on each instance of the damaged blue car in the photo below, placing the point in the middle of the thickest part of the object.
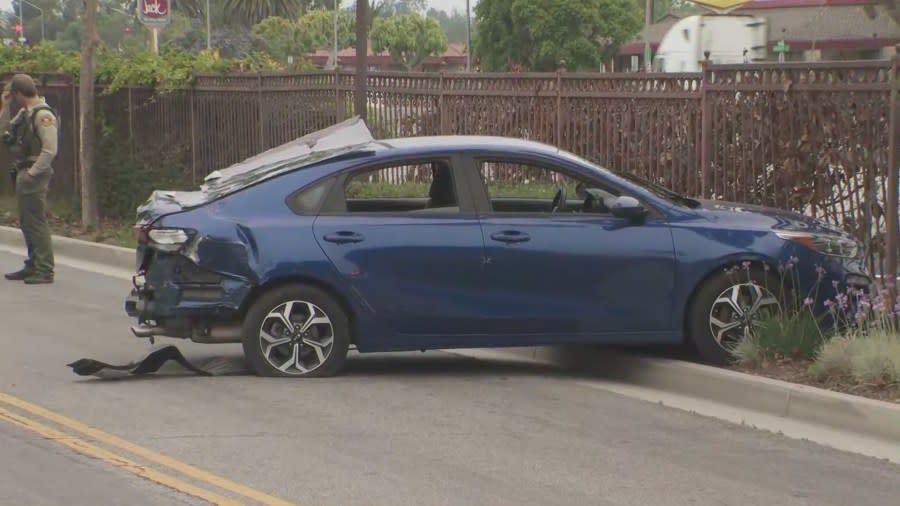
(337, 240)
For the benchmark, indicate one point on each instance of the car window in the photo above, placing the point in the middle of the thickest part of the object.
(426, 186)
(514, 186)
(309, 200)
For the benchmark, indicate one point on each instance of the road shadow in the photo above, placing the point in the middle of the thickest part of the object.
(575, 361)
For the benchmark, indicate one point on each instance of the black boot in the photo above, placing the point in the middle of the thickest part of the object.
(18, 276)
(39, 279)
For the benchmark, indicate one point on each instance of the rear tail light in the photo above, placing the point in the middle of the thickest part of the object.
(165, 239)
(168, 236)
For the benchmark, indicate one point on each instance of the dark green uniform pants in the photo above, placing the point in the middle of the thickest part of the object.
(31, 196)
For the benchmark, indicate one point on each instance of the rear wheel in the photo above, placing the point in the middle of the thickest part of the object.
(726, 308)
(296, 331)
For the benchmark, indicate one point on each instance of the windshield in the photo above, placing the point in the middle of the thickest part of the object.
(655, 188)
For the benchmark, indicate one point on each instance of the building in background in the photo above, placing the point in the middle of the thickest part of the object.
(452, 60)
(814, 30)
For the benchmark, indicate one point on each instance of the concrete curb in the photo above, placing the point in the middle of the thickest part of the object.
(105, 254)
(843, 412)
(801, 403)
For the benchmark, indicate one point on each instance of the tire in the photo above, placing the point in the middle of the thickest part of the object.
(326, 324)
(708, 303)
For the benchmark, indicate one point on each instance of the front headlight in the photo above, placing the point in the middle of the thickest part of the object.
(827, 244)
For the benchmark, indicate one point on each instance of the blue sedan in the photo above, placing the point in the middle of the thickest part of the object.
(338, 240)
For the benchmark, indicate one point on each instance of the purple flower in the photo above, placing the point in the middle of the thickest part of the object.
(897, 309)
(842, 300)
(766, 267)
(746, 265)
(794, 260)
(820, 271)
(808, 301)
(835, 284)
(860, 316)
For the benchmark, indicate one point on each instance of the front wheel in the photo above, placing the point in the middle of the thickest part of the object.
(727, 307)
(296, 331)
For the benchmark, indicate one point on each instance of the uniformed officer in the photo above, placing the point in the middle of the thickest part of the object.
(31, 136)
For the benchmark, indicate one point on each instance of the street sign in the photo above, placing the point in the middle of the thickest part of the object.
(154, 13)
(781, 48)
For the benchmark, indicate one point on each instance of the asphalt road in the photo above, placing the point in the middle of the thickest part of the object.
(432, 428)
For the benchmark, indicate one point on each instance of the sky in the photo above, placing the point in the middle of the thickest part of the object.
(446, 5)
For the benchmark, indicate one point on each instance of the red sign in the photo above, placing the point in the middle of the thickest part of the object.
(154, 12)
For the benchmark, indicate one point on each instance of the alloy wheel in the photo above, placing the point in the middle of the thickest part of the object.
(296, 337)
(737, 310)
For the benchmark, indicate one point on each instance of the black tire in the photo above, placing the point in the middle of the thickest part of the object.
(701, 304)
(270, 301)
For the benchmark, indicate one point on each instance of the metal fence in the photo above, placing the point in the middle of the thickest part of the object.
(819, 138)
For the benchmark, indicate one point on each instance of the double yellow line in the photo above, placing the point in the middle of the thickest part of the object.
(83, 446)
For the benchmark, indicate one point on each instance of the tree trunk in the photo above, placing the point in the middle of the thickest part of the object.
(90, 212)
(362, 60)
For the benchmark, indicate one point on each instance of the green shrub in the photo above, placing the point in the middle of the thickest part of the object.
(872, 358)
(791, 334)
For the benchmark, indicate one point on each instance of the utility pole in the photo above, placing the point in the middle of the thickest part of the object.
(362, 60)
(468, 37)
(22, 19)
(208, 29)
(648, 20)
(90, 212)
(335, 49)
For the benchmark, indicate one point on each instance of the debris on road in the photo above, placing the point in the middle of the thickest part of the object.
(153, 361)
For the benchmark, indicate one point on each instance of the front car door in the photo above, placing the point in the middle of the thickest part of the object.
(407, 240)
(569, 272)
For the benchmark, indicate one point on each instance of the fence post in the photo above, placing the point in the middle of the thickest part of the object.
(892, 187)
(442, 127)
(259, 101)
(76, 141)
(338, 101)
(559, 71)
(193, 121)
(704, 127)
(131, 122)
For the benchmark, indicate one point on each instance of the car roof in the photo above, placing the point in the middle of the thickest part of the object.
(444, 143)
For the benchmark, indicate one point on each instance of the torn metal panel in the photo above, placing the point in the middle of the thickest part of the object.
(318, 146)
(154, 361)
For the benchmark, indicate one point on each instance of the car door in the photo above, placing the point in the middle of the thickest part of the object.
(407, 240)
(573, 272)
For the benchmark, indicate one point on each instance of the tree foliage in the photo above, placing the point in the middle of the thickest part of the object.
(251, 12)
(539, 34)
(314, 30)
(409, 39)
(173, 68)
(453, 24)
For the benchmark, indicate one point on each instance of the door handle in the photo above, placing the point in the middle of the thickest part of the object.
(344, 237)
(510, 236)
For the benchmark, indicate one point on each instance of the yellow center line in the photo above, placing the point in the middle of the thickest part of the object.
(120, 462)
(145, 453)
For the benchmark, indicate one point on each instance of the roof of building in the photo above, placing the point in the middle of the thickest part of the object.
(455, 50)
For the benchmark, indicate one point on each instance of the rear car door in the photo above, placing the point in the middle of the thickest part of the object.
(408, 241)
(570, 272)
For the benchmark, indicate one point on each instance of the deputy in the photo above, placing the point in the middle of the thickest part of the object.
(32, 139)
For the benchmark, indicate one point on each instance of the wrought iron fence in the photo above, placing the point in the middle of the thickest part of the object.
(816, 138)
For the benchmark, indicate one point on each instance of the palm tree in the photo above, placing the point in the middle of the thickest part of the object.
(250, 12)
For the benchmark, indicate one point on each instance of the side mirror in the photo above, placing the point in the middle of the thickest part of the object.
(628, 208)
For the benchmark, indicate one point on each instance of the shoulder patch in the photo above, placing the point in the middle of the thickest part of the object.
(47, 120)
